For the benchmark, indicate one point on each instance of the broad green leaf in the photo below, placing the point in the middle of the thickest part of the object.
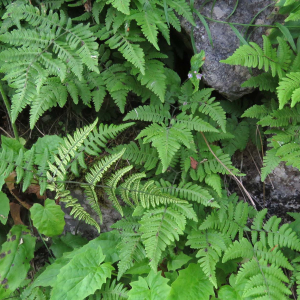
(227, 292)
(191, 284)
(2, 181)
(49, 276)
(82, 276)
(66, 243)
(178, 261)
(9, 143)
(108, 242)
(153, 287)
(4, 208)
(140, 268)
(15, 256)
(48, 219)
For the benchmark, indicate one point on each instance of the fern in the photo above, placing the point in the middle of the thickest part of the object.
(131, 248)
(211, 245)
(253, 56)
(160, 227)
(167, 140)
(264, 81)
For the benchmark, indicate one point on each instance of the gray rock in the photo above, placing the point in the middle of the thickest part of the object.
(227, 79)
(109, 217)
(280, 192)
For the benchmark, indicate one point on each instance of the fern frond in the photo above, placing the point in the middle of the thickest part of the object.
(270, 162)
(264, 81)
(160, 227)
(142, 154)
(155, 84)
(211, 244)
(147, 194)
(130, 248)
(289, 89)
(253, 56)
(112, 183)
(215, 111)
(256, 111)
(189, 192)
(147, 20)
(131, 52)
(121, 5)
(234, 220)
(183, 9)
(166, 140)
(112, 291)
(149, 113)
(195, 123)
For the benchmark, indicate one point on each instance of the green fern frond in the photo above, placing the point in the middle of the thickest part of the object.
(256, 111)
(270, 162)
(141, 154)
(130, 248)
(166, 140)
(121, 5)
(215, 111)
(183, 9)
(264, 81)
(155, 84)
(188, 192)
(195, 123)
(211, 244)
(147, 194)
(234, 220)
(280, 118)
(147, 20)
(149, 113)
(112, 291)
(253, 56)
(263, 281)
(67, 151)
(131, 52)
(99, 137)
(112, 183)
(289, 89)
(160, 227)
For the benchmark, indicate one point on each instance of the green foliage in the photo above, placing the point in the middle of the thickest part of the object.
(154, 286)
(4, 208)
(48, 219)
(180, 236)
(16, 254)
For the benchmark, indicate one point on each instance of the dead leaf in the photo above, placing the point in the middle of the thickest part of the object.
(15, 213)
(88, 6)
(10, 183)
(194, 163)
(35, 189)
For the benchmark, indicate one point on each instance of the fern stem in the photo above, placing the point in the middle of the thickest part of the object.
(234, 177)
(7, 105)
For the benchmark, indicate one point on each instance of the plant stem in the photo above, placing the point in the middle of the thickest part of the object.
(7, 105)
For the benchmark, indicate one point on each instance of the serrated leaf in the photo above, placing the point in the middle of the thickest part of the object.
(48, 219)
(4, 208)
(15, 256)
(178, 261)
(82, 276)
(153, 287)
(191, 284)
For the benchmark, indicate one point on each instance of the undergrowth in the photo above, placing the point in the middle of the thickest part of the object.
(181, 235)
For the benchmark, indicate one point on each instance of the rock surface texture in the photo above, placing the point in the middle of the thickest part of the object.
(281, 191)
(227, 79)
(109, 216)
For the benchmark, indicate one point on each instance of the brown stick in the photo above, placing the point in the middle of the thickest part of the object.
(234, 177)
